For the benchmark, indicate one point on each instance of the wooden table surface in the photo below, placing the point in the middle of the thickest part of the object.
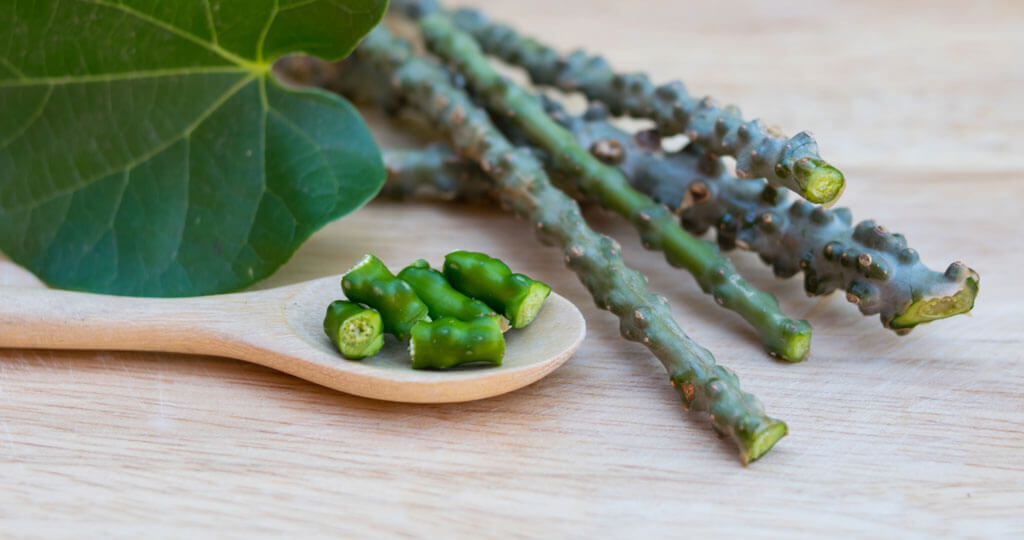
(919, 436)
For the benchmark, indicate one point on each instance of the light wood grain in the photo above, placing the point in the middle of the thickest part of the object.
(921, 436)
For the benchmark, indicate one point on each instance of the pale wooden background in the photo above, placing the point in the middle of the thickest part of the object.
(918, 102)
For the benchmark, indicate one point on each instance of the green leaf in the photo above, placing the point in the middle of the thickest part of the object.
(145, 148)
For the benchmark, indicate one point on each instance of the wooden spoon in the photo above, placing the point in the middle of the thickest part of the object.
(281, 329)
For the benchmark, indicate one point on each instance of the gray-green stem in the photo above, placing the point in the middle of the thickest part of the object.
(879, 272)
(789, 235)
(793, 238)
(781, 336)
(523, 186)
(760, 151)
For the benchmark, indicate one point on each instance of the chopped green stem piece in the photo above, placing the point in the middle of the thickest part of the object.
(481, 276)
(441, 298)
(354, 329)
(449, 342)
(760, 151)
(371, 283)
(781, 336)
(524, 187)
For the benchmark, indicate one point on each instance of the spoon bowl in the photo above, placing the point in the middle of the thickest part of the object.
(281, 329)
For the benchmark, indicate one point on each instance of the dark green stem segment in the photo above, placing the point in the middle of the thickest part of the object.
(449, 342)
(371, 283)
(781, 336)
(523, 186)
(760, 151)
(355, 330)
(441, 298)
(481, 276)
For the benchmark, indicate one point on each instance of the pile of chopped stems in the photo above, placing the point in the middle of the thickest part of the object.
(523, 144)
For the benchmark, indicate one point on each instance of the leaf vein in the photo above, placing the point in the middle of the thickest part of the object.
(156, 150)
(31, 120)
(14, 69)
(111, 222)
(127, 75)
(298, 5)
(266, 29)
(209, 21)
(320, 154)
(212, 47)
(184, 218)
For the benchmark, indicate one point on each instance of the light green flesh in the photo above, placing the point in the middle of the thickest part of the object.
(530, 306)
(765, 440)
(932, 309)
(797, 347)
(360, 337)
(824, 185)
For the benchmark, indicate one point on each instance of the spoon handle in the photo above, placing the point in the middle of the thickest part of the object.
(46, 318)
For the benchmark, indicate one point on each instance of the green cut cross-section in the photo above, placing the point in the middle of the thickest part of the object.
(146, 149)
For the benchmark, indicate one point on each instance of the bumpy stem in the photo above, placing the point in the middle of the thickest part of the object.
(793, 163)
(523, 186)
(371, 283)
(479, 275)
(441, 298)
(782, 336)
(449, 342)
(787, 234)
(435, 172)
(879, 273)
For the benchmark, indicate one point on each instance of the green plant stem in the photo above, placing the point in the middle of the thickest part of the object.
(787, 234)
(879, 272)
(370, 282)
(441, 298)
(435, 172)
(449, 342)
(781, 336)
(523, 186)
(355, 330)
(479, 275)
(792, 238)
(792, 163)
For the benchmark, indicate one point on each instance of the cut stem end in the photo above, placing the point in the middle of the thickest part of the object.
(822, 184)
(762, 441)
(930, 309)
(360, 335)
(794, 344)
(530, 306)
